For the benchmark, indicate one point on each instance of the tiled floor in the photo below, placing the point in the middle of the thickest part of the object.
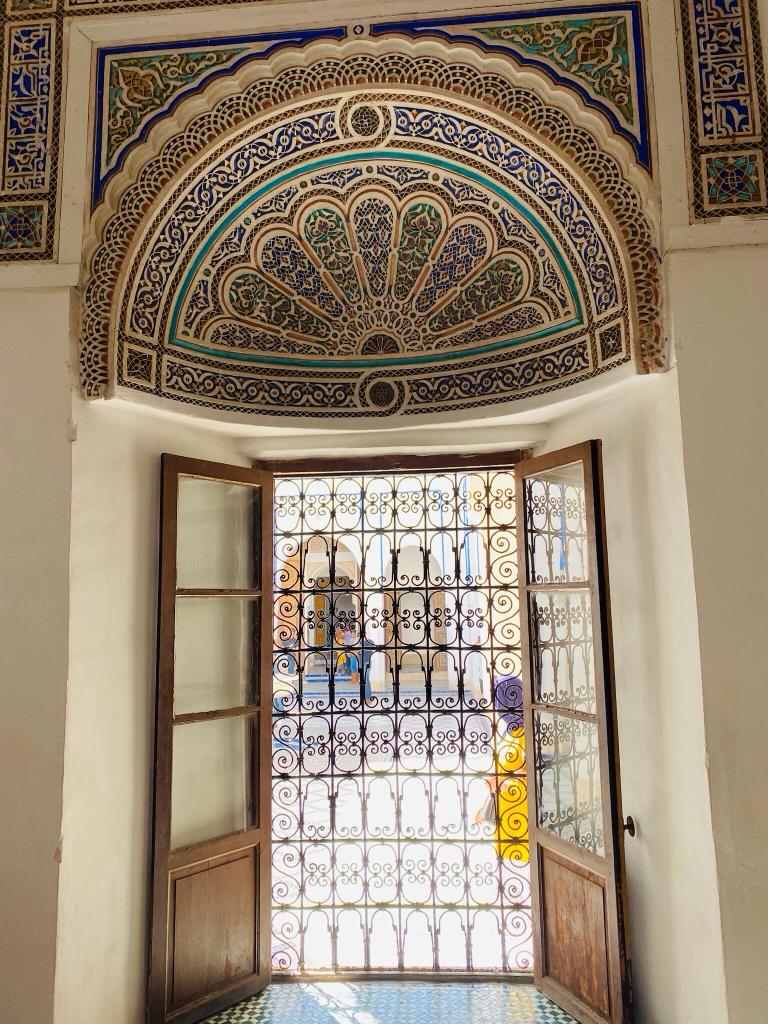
(393, 1002)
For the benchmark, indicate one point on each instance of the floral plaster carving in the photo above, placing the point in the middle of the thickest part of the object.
(447, 236)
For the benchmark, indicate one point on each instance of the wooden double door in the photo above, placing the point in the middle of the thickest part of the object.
(211, 901)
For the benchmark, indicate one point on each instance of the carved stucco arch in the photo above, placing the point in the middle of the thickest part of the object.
(455, 82)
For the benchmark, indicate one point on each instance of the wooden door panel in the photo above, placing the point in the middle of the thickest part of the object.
(215, 927)
(188, 945)
(574, 942)
(232, 921)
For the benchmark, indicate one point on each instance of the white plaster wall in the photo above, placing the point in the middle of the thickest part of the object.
(720, 318)
(673, 907)
(101, 968)
(673, 885)
(35, 487)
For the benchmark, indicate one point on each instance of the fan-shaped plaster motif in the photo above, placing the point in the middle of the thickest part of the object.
(373, 220)
(325, 231)
(284, 258)
(369, 273)
(297, 268)
(465, 247)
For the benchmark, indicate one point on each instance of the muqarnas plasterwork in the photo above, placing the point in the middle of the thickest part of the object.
(727, 108)
(388, 253)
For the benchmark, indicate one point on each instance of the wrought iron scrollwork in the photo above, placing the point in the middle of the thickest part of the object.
(399, 797)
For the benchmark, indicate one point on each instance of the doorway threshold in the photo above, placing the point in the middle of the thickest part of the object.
(404, 1002)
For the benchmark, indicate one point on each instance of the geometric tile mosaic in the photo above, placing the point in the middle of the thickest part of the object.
(22, 228)
(27, 103)
(382, 1002)
(733, 180)
(727, 107)
(30, 99)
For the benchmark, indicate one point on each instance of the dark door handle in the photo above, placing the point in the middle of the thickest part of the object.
(630, 827)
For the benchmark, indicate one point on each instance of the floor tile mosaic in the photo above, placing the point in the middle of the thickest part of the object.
(394, 1002)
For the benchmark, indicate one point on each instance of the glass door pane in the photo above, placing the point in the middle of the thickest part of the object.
(568, 780)
(561, 634)
(216, 528)
(217, 650)
(556, 528)
(565, 754)
(216, 658)
(213, 792)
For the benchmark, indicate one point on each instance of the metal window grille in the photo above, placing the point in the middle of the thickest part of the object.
(400, 824)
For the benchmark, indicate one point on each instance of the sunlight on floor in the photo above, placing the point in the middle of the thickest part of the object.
(384, 1002)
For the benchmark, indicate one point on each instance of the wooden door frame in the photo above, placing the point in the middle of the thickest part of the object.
(392, 463)
(589, 454)
(163, 859)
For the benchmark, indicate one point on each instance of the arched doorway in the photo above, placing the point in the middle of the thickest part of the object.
(451, 235)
